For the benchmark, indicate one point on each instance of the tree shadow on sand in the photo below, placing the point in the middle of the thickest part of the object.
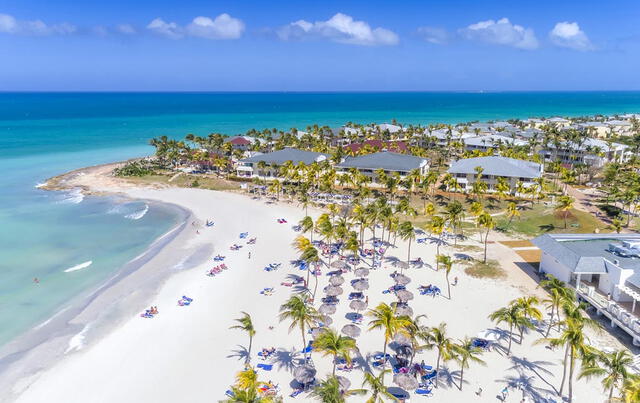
(536, 367)
(287, 359)
(449, 378)
(241, 353)
(524, 385)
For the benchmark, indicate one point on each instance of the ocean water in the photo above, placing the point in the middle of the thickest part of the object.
(72, 244)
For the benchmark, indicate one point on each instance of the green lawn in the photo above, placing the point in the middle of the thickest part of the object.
(543, 219)
(186, 180)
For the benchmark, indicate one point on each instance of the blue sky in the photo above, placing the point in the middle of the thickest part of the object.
(278, 45)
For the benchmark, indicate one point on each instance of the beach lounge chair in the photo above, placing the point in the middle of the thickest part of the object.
(424, 392)
(243, 235)
(266, 367)
(229, 393)
(295, 393)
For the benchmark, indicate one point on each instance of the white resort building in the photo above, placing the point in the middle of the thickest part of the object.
(604, 269)
(267, 166)
(513, 170)
(387, 161)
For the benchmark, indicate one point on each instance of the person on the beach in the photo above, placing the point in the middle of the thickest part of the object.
(36, 281)
(479, 392)
(455, 280)
(249, 255)
(505, 393)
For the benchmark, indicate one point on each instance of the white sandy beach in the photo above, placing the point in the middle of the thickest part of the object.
(189, 354)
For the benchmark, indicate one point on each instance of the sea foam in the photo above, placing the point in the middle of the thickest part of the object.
(77, 341)
(138, 214)
(74, 196)
(79, 266)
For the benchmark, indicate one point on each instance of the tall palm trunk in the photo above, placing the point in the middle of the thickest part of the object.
(446, 276)
(553, 307)
(564, 370)
(510, 339)
(571, 365)
(304, 341)
(461, 374)
(249, 352)
(437, 369)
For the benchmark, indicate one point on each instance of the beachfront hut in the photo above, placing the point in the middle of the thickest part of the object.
(358, 305)
(327, 309)
(351, 330)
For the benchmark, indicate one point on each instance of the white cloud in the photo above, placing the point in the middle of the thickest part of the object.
(569, 35)
(126, 29)
(437, 36)
(340, 28)
(501, 32)
(222, 27)
(10, 25)
(170, 30)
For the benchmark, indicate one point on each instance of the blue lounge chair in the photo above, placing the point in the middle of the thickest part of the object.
(423, 392)
(229, 393)
(266, 367)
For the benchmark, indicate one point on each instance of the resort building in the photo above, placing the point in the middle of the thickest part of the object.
(240, 142)
(389, 162)
(604, 269)
(377, 145)
(267, 166)
(513, 170)
(593, 152)
(492, 141)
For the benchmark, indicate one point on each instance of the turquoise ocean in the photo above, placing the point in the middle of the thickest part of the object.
(53, 236)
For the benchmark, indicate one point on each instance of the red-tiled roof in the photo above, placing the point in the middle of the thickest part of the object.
(239, 141)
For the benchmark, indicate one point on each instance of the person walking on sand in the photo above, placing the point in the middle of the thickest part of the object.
(249, 255)
(479, 392)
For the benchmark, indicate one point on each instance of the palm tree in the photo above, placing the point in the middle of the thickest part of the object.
(384, 317)
(437, 338)
(454, 213)
(512, 212)
(486, 221)
(301, 315)
(306, 225)
(436, 227)
(407, 233)
(631, 389)
(564, 204)
(329, 342)
(513, 316)
(247, 389)
(528, 306)
(447, 263)
(465, 352)
(246, 325)
(330, 391)
(613, 367)
(375, 385)
(559, 295)
(311, 257)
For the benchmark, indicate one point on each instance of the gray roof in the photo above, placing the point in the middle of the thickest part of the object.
(288, 154)
(491, 140)
(586, 253)
(384, 160)
(497, 166)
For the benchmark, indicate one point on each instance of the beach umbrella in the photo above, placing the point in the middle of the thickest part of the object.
(404, 351)
(327, 309)
(351, 330)
(343, 382)
(333, 291)
(404, 310)
(339, 264)
(304, 374)
(401, 279)
(404, 295)
(358, 305)
(361, 272)
(401, 339)
(491, 334)
(401, 264)
(316, 331)
(326, 319)
(405, 381)
(336, 280)
(361, 284)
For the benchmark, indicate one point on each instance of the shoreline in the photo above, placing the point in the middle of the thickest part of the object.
(97, 311)
(188, 353)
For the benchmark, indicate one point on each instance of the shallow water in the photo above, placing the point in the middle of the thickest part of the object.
(47, 234)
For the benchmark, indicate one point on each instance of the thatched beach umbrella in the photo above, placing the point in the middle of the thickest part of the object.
(361, 272)
(358, 305)
(304, 374)
(326, 320)
(401, 264)
(351, 330)
(333, 291)
(404, 310)
(405, 381)
(327, 309)
(336, 280)
(360, 284)
(316, 331)
(339, 264)
(401, 279)
(404, 295)
(402, 339)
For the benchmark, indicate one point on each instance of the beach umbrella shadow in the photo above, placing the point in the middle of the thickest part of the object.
(525, 386)
(536, 367)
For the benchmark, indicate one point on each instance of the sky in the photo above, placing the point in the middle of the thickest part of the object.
(348, 45)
